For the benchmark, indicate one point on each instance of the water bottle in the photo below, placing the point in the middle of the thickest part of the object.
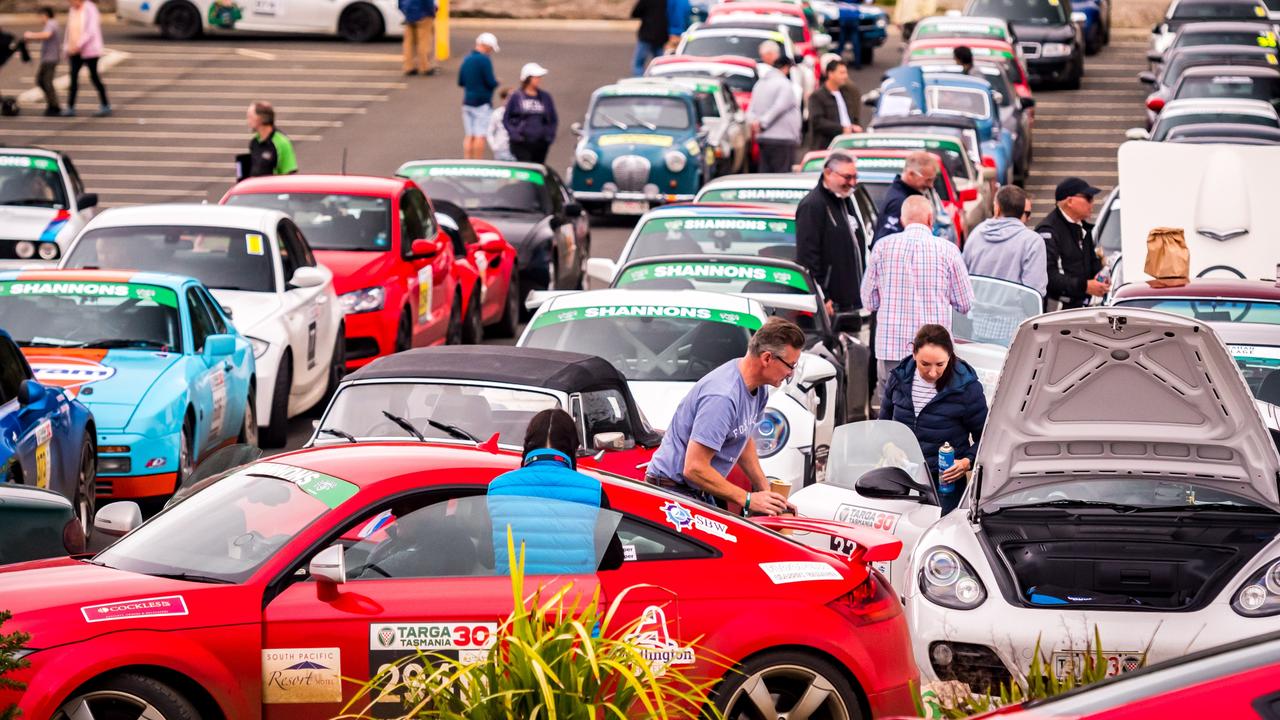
(946, 458)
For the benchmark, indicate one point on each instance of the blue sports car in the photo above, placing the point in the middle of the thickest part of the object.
(153, 356)
(46, 438)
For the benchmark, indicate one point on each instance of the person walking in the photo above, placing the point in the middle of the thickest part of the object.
(940, 398)
(919, 172)
(478, 82)
(678, 14)
(850, 33)
(913, 278)
(270, 151)
(531, 118)
(775, 111)
(825, 241)
(651, 37)
(711, 431)
(1073, 264)
(833, 107)
(50, 38)
(84, 47)
(499, 140)
(1004, 247)
(419, 36)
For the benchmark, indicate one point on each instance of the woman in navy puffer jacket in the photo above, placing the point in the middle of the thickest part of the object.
(940, 398)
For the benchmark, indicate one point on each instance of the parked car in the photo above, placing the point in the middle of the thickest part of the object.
(1229, 81)
(735, 71)
(1186, 12)
(809, 42)
(1184, 59)
(1241, 33)
(1050, 36)
(1198, 111)
(484, 265)
(786, 190)
(725, 124)
(962, 27)
(352, 21)
(36, 524)
(995, 52)
(43, 204)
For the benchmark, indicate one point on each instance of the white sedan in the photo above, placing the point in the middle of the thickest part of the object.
(353, 20)
(43, 204)
(664, 342)
(260, 268)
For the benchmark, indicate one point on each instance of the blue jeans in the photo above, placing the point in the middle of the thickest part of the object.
(644, 53)
(850, 34)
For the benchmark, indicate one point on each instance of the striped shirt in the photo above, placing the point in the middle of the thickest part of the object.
(922, 392)
(913, 278)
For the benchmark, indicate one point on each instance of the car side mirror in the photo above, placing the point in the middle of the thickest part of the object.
(576, 128)
(329, 566)
(892, 483)
(609, 441)
(307, 277)
(601, 270)
(31, 392)
(871, 98)
(1153, 56)
(968, 194)
(118, 519)
(1147, 77)
(424, 248)
(85, 201)
(573, 209)
(493, 244)
(847, 322)
(227, 309)
(814, 370)
(1155, 29)
(1079, 18)
(217, 347)
(1137, 134)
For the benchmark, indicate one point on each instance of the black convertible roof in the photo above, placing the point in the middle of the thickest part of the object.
(553, 369)
(916, 120)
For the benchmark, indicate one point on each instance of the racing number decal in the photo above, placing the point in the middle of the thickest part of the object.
(311, 345)
(400, 654)
(218, 388)
(44, 434)
(867, 517)
(424, 295)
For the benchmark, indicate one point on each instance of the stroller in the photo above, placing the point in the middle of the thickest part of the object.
(10, 44)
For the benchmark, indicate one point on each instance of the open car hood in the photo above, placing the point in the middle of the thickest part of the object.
(1125, 393)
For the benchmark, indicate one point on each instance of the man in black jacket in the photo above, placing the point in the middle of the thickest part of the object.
(652, 35)
(1068, 235)
(833, 108)
(918, 175)
(825, 241)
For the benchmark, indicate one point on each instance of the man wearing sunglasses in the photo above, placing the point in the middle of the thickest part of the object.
(1004, 247)
(1071, 260)
(826, 242)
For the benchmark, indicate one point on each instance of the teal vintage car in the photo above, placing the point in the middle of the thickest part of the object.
(642, 144)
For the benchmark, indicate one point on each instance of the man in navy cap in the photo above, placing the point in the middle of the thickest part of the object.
(1073, 264)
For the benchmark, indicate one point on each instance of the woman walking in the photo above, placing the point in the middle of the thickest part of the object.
(84, 48)
(530, 118)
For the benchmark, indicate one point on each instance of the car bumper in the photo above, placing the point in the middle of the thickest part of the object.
(1055, 69)
(369, 336)
(148, 469)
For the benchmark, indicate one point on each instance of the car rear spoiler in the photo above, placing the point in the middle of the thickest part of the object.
(784, 301)
(537, 298)
(868, 545)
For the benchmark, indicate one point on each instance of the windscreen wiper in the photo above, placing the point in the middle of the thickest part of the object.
(1209, 507)
(405, 425)
(1074, 504)
(453, 430)
(192, 577)
(338, 433)
(120, 343)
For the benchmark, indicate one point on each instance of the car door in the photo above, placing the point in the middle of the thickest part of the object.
(423, 574)
(207, 385)
(432, 286)
(28, 431)
(235, 386)
(303, 311)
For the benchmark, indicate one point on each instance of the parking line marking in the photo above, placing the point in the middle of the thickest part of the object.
(157, 149)
(239, 111)
(152, 192)
(150, 134)
(1079, 131)
(246, 52)
(102, 162)
(251, 95)
(1073, 146)
(145, 82)
(203, 180)
(206, 121)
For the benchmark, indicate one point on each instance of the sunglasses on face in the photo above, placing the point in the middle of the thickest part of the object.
(790, 366)
(851, 178)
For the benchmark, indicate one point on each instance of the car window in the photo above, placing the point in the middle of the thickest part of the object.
(747, 46)
(412, 226)
(215, 311)
(1213, 310)
(423, 208)
(1258, 38)
(1109, 232)
(478, 188)
(605, 411)
(101, 315)
(77, 185)
(640, 113)
(557, 193)
(201, 323)
(959, 101)
(1218, 11)
(643, 541)
(13, 370)
(707, 107)
(331, 221)
(31, 181)
(220, 258)
(1230, 86)
(288, 261)
(1167, 122)
(1032, 12)
(866, 207)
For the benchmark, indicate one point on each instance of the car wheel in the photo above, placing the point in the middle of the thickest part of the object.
(453, 335)
(868, 54)
(404, 333)
(473, 328)
(1073, 82)
(360, 23)
(186, 454)
(127, 695)
(249, 426)
(1093, 44)
(276, 433)
(787, 684)
(509, 324)
(86, 500)
(337, 364)
(180, 21)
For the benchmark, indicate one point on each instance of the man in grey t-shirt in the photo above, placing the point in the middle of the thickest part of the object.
(711, 430)
(50, 37)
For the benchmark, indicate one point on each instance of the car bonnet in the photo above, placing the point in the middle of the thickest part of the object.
(1125, 393)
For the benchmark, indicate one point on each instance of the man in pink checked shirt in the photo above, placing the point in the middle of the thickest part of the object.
(913, 278)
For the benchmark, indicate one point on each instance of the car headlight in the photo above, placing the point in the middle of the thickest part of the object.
(946, 579)
(25, 250)
(882, 22)
(47, 251)
(362, 301)
(1260, 596)
(587, 159)
(259, 347)
(771, 433)
(1055, 50)
(675, 161)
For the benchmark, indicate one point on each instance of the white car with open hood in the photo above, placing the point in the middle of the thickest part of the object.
(259, 268)
(1125, 484)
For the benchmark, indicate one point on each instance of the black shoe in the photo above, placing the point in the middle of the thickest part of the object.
(408, 73)
(52, 112)
(432, 71)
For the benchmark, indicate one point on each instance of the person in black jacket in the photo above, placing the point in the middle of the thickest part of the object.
(940, 398)
(825, 241)
(833, 108)
(1073, 264)
(652, 35)
(918, 175)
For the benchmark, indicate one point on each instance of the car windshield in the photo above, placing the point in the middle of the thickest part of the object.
(1183, 61)
(647, 112)
(864, 446)
(771, 195)
(1198, 10)
(1145, 493)
(747, 46)
(479, 410)
(90, 314)
(768, 237)
(954, 160)
(1032, 12)
(1231, 86)
(715, 277)
(1213, 310)
(1248, 38)
(958, 101)
(1167, 122)
(31, 181)
(895, 165)
(877, 188)
(484, 188)
(221, 258)
(1109, 234)
(225, 532)
(762, 22)
(951, 28)
(331, 221)
(998, 308)
(647, 342)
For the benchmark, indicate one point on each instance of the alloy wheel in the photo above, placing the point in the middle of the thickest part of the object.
(787, 692)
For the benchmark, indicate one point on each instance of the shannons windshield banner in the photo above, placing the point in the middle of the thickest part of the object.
(746, 320)
(778, 226)
(73, 288)
(27, 161)
(775, 195)
(715, 271)
(496, 172)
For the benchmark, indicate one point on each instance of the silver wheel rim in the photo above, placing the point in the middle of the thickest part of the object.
(184, 465)
(87, 485)
(110, 703)
(250, 423)
(787, 692)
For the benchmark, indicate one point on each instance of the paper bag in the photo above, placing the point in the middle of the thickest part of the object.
(1168, 260)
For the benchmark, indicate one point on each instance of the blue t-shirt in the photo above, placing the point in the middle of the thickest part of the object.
(719, 413)
(476, 79)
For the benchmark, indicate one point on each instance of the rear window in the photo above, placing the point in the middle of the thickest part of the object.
(1032, 12)
(1227, 37)
(1218, 11)
(1164, 124)
(1213, 310)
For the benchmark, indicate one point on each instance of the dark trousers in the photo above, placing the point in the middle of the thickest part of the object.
(78, 62)
(44, 79)
(777, 157)
(850, 35)
(534, 152)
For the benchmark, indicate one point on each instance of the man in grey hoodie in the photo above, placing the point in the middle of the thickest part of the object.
(1004, 247)
(775, 111)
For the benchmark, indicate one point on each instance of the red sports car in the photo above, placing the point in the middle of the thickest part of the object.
(276, 591)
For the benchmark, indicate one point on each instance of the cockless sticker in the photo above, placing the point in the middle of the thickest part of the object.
(27, 161)
(782, 573)
(301, 675)
(778, 195)
(748, 321)
(635, 139)
(161, 606)
(682, 518)
(476, 171)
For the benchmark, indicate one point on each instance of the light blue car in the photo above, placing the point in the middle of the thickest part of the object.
(153, 356)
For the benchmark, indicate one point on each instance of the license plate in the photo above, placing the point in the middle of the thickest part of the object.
(1072, 662)
(629, 207)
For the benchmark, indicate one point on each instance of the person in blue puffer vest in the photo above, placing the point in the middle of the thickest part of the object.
(548, 505)
(940, 398)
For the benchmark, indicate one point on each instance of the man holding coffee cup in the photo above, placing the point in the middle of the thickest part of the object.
(711, 430)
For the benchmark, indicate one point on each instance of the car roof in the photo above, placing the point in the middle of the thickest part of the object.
(956, 121)
(30, 150)
(1223, 106)
(1234, 50)
(228, 216)
(1220, 288)
(753, 19)
(722, 31)
(319, 183)
(166, 280)
(553, 369)
(738, 62)
(759, 7)
(476, 163)
(764, 180)
(686, 298)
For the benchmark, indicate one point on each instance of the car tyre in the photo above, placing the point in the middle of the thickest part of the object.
(404, 332)
(86, 499)
(1073, 82)
(360, 23)
(453, 334)
(249, 424)
(180, 20)
(1094, 42)
(127, 695)
(868, 55)
(772, 684)
(473, 326)
(276, 433)
(509, 324)
(186, 454)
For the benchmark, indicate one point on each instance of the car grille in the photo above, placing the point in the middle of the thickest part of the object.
(630, 173)
(1030, 49)
(358, 348)
(868, 20)
(977, 666)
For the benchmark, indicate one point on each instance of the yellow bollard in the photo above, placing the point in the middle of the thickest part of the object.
(442, 30)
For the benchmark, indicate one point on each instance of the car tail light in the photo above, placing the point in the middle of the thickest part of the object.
(871, 602)
(73, 537)
(1155, 104)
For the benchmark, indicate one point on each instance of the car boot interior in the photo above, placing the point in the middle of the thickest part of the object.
(1100, 558)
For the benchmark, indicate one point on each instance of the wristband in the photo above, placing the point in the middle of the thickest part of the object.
(746, 507)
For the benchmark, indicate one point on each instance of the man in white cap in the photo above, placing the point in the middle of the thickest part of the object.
(530, 118)
(478, 82)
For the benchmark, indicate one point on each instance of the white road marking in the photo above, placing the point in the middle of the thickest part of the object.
(129, 177)
(154, 192)
(246, 52)
(102, 162)
(204, 121)
(153, 134)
